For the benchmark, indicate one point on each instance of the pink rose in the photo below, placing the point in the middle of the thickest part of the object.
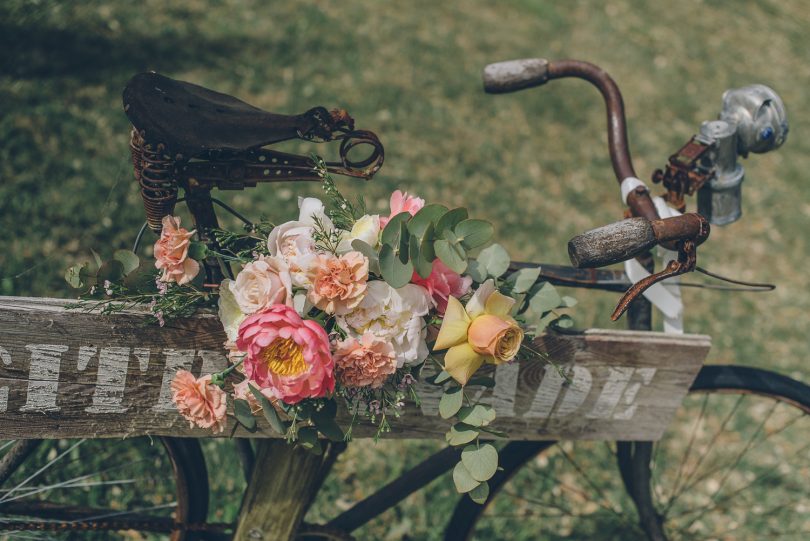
(286, 354)
(261, 284)
(171, 252)
(201, 403)
(442, 283)
(338, 283)
(402, 202)
(364, 363)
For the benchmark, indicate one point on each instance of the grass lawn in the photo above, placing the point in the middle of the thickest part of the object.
(534, 163)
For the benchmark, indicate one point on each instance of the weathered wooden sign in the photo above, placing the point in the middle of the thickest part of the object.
(65, 373)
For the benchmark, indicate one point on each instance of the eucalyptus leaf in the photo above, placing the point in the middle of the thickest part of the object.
(546, 298)
(544, 322)
(568, 301)
(326, 425)
(451, 255)
(421, 264)
(474, 233)
(451, 219)
(481, 462)
(393, 229)
(426, 244)
(478, 415)
(370, 253)
(128, 259)
(477, 271)
(241, 410)
(394, 271)
(463, 480)
(480, 493)
(424, 218)
(112, 270)
(494, 259)
(198, 250)
(451, 402)
(441, 377)
(523, 279)
(564, 322)
(461, 433)
(481, 381)
(308, 439)
(73, 276)
(269, 411)
(404, 239)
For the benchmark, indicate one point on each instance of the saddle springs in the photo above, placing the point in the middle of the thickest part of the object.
(186, 136)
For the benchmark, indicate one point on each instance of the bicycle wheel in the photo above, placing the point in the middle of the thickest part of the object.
(734, 464)
(102, 489)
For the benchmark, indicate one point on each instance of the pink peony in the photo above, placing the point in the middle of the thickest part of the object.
(171, 252)
(364, 363)
(338, 283)
(402, 202)
(201, 403)
(261, 284)
(286, 354)
(442, 283)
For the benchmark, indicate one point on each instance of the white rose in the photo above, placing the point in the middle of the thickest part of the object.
(393, 315)
(261, 284)
(292, 242)
(230, 315)
(367, 229)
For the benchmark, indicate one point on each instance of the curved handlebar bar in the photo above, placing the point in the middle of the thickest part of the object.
(513, 75)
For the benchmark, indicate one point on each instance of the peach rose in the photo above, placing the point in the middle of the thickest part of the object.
(171, 252)
(402, 202)
(495, 337)
(201, 403)
(261, 284)
(364, 363)
(338, 283)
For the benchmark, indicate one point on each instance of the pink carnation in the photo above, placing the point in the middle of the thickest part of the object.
(338, 283)
(201, 403)
(402, 202)
(364, 363)
(286, 354)
(171, 252)
(442, 283)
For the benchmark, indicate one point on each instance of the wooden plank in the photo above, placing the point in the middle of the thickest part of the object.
(64, 373)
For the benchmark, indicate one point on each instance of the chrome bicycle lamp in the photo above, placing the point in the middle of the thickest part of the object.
(753, 119)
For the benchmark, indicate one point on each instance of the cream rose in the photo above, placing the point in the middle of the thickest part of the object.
(367, 229)
(261, 284)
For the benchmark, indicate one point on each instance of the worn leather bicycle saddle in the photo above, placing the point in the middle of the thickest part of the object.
(191, 120)
(187, 136)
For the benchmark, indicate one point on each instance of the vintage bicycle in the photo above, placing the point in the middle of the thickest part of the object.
(731, 461)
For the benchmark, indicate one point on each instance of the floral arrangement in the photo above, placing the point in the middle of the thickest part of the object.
(345, 306)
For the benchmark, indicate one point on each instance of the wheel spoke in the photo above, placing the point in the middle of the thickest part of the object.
(39, 471)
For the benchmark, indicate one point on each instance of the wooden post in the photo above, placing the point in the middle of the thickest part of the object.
(282, 486)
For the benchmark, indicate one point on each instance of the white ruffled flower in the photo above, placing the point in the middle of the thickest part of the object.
(393, 315)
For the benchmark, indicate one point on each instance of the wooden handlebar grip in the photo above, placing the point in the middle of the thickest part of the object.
(611, 243)
(513, 75)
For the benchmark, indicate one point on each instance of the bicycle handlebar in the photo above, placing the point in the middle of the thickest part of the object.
(514, 75)
(620, 241)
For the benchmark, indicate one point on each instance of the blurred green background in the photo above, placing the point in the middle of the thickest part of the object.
(535, 163)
